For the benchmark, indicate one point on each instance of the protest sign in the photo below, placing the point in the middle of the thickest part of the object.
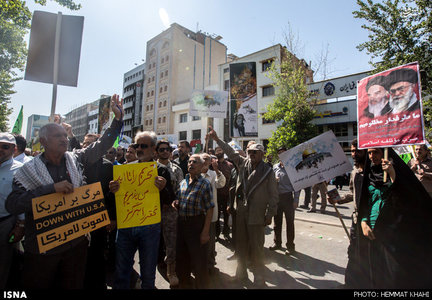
(137, 200)
(317, 160)
(389, 108)
(60, 218)
(208, 104)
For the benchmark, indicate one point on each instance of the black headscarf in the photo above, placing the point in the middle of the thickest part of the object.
(404, 226)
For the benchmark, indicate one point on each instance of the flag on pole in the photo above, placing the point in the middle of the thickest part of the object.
(18, 123)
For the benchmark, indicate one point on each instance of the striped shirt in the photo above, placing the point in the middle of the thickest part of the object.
(195, 198)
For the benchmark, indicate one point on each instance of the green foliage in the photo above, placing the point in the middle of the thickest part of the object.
(400, 32)
(15, 20)
(290, 105)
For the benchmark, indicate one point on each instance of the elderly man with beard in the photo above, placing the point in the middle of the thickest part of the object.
(378, 98)
(395, 225)
(144, 238)
(257, 197)
(56, 171)
(401, 83)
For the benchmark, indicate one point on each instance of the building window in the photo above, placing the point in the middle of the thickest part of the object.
(339, 129)
(267, 64)
(226, 70)
(268, 90)
(196, 134)
(183, 118)
(267, 121)
(226, 85)
(196, 118)
(182, 135)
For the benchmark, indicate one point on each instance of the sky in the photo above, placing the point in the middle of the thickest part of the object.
(116, 33)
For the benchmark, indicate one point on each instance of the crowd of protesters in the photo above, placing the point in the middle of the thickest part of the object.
(202, 195)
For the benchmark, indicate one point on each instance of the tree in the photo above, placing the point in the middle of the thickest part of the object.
(15, 20)
(400, 32)
(290, 106)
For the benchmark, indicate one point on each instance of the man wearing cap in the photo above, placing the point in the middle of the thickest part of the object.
(11, 228)
(378, 98)
(257, 197)
(401, 84)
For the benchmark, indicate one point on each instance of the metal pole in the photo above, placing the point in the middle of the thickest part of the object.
(56, 64)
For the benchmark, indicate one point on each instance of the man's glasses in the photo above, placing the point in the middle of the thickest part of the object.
(252, 151)
(6, 147)
(160, 150)
(143, 146)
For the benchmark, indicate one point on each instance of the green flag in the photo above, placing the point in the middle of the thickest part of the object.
(18, 123)
(198, 148)
(116, 143)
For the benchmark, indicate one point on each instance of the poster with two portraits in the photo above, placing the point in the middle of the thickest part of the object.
(389, 108)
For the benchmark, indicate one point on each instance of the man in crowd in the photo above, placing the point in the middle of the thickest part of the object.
(111, 156)
(19, 154)
(56, 171)
(217, 180)
(322, 188)
(223, 192)
(354, 272)
(120, 155)
(257, 194)
(395, 223)
(378, 96)
(421, 165)
(11, 227)
(100, 171)
(169, 214)
(184, 149)
(286, 205)
(195, 211)
(401, 84)
(130, 154)
(144, 238)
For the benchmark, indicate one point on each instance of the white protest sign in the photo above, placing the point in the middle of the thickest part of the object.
(317, 160)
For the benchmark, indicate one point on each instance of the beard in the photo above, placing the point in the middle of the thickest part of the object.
(375, 109)
(400, 103)
(219, 155)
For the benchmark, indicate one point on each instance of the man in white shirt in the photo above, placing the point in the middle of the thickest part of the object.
(19, 154)
(217, 180)
(11, 229)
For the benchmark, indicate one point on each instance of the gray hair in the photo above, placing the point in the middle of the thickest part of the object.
(150, 134)
(43, 132)
(199, 158)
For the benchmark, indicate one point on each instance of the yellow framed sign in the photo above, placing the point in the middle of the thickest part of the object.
(137, 200)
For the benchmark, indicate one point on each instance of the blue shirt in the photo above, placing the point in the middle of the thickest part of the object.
(284, 184)
(7, 172)
(195, 198)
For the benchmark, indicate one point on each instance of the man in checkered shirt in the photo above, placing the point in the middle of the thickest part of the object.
(195, 207)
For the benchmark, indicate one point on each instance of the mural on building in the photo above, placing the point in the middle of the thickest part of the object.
(243, 100)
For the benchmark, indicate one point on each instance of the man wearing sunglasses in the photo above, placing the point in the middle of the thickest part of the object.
(57, 171)
(169, 213)
(257, 196)
(10, 229)
(145, 238)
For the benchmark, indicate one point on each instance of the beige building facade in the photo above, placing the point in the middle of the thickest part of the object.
(178, 61)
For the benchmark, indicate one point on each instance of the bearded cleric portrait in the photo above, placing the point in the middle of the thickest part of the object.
(389, 108)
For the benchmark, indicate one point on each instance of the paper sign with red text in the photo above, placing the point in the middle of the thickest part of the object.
(137, 200)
